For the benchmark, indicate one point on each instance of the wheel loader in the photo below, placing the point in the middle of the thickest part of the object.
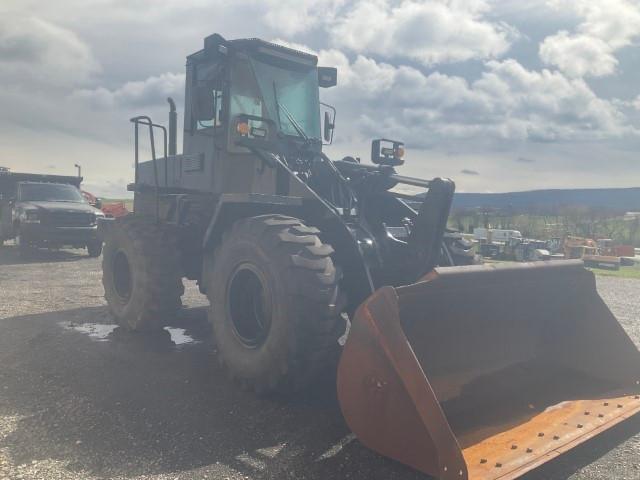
(465, 372)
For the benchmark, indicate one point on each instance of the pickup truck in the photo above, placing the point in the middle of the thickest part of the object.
(50, 214)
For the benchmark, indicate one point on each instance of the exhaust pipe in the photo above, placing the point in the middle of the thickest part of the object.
(173, 122)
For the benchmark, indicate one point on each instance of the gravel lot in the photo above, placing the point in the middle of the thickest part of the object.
(82, 400)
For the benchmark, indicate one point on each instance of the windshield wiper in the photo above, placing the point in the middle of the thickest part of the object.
(299, 130)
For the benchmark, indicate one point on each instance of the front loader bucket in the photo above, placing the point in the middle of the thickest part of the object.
(486, 372)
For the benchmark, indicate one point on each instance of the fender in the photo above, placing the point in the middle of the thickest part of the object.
(357, 281)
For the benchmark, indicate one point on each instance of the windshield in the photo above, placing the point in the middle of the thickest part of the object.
(49, 192)
(296, 91)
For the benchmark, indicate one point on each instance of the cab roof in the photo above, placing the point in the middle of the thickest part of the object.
(216, 44)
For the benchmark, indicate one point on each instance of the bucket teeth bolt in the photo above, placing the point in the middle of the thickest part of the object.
(619, 405)
(556, 437)
(600, 415)
(580, 425)
(541, 434)
(498, 465)
(514, 447)
(529, 450)
(587, 413)
(483, 460)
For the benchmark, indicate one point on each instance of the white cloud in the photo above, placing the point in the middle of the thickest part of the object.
(294, 16)
(149, 92)
(507, 103)
(477, 115)
(578, 55)
(606, 26)
(33, 50)
(429, 32)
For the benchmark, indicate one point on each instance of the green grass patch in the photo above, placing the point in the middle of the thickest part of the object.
(624, 272)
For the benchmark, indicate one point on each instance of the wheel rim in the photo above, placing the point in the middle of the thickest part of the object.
(249, 306)
(122, 281)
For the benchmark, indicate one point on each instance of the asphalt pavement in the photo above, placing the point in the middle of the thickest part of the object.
(80, 399)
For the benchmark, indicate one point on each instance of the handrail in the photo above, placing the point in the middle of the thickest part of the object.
(146, 121)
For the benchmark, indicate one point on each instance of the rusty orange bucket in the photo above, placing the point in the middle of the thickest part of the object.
(486, 372)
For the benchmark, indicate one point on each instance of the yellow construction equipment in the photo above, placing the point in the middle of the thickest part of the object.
(594, 254)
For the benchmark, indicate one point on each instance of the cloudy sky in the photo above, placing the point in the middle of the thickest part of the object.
(498, 95)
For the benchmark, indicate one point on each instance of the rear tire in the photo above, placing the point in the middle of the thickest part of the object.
(275, 303)
(141, 273)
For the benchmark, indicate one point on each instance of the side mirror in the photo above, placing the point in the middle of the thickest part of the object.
(327, 77)
(329, 125)
(387, 152)
(98, 203)
(202, 104)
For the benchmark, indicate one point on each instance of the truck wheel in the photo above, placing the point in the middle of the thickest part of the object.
(24, 249)
(94, 249)
(141, 273)
(275, 303)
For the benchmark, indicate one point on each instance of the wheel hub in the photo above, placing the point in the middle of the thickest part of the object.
(122, 281)
(249, 306)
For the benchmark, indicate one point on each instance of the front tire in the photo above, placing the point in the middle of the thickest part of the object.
(275, 303)
(24, 248)
(94, 249)
(141, 273)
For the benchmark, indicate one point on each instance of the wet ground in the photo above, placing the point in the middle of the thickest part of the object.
(80, 399)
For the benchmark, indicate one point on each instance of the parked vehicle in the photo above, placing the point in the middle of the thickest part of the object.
(495, 235)
(111, 209)
(526, 250)
(588, 250)
(47, 211)
(457, 250)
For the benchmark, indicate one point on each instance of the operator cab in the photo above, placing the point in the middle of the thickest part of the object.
(250, 90)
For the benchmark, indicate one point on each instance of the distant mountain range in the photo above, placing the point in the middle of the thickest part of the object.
(620, 199)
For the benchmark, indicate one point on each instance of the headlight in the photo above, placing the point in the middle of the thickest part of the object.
(29, 216)
(96, 217)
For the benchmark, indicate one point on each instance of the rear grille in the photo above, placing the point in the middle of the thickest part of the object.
(69, 219)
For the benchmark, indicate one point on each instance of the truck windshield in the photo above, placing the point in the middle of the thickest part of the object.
(49, 192)
(296, 91)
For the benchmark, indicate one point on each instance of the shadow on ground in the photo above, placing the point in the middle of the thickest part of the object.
(126, 405)
(9, 255)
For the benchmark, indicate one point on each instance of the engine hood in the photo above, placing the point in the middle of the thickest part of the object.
(59, 207)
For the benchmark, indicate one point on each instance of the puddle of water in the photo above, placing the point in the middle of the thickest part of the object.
(96, 331)
(180, 337)
(100, 332)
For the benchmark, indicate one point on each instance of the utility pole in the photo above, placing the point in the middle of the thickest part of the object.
(79, 169)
